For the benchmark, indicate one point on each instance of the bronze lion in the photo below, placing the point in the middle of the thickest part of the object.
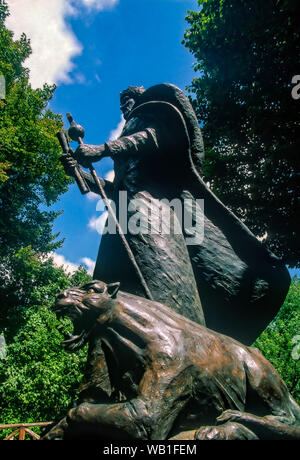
(168, 375)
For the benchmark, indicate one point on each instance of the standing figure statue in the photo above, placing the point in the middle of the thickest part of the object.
(228, 279)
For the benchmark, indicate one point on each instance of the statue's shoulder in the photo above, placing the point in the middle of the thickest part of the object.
(166, 92)
(167, 100)
(134, 124)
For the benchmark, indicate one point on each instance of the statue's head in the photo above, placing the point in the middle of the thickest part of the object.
(84, 306)
(129, 97)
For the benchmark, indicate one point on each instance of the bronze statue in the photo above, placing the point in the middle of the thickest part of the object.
(169, 377)
(159, 366)
(159, 155)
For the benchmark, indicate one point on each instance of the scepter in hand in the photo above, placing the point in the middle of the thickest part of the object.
(76, 133)
(67, 150)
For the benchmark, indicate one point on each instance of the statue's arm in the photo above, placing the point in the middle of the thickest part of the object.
(144, 141)
(69, 164)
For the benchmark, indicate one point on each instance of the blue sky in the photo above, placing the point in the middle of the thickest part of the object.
(103, 46)
(92, 50)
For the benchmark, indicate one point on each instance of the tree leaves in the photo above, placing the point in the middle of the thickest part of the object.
(277, 341)
(246, 54)
(38, 379)
(31, 175)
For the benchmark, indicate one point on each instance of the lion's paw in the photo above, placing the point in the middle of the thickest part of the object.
(230, 415)
(228, 431)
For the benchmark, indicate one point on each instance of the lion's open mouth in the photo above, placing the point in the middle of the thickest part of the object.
(74, 312)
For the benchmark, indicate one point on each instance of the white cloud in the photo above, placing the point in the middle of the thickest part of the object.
(90, 264)
(98, 223)
(93, 196)
(60, 261)
(54, 44)
(110, 175)
(98, 4)
(115, 133)
(80, 78)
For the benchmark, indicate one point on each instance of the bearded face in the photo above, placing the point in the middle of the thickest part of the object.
(128, 99)
(126, 106)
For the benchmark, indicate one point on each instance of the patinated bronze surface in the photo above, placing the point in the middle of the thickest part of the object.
(167, 375)
(230, 281)
(159, 366)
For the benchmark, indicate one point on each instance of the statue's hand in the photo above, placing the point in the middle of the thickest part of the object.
(86, 154)
(69, 164)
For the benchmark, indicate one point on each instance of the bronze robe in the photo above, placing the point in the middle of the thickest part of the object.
(159, 155)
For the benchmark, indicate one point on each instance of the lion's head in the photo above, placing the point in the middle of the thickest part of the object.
(83, 305)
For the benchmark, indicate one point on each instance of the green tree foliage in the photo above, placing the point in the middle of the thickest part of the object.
(31, 176)
(38, 379)
(280, 342)
(247, 53)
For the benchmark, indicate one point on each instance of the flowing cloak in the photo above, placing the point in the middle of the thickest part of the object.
(240, 282)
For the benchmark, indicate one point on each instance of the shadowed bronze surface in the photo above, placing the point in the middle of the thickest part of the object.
(167, 375)
(230, 281)
(154, 370)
